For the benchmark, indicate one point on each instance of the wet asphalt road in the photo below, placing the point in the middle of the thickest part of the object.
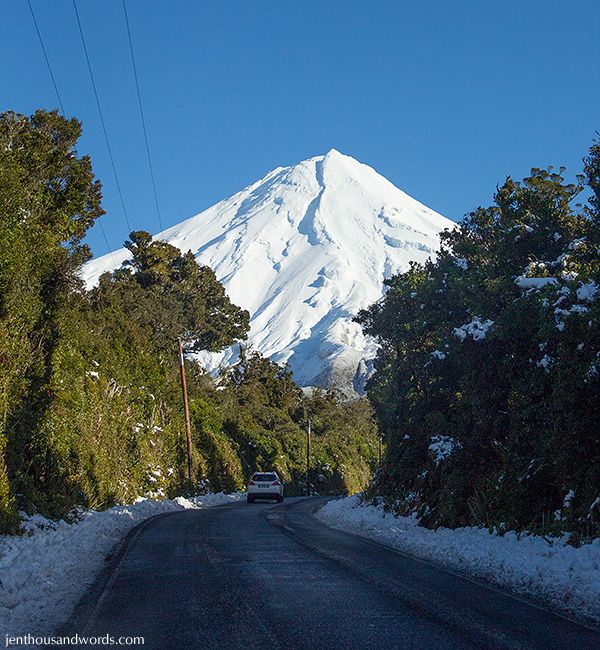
(272, 576)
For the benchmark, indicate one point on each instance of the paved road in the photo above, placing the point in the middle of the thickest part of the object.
(269, 576)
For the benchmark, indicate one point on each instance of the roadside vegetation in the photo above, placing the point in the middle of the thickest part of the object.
(487, 381)
(90, 400)
(486, 385)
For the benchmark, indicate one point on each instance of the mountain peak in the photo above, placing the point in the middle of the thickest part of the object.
(303, 250)
(336, 158)
(334, 153)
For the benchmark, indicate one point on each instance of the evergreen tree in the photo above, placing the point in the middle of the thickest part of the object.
(89, 384)
(174, 296)
(48, 200)
(487, 378)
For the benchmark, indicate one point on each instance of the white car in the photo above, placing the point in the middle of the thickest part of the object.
(265, 485)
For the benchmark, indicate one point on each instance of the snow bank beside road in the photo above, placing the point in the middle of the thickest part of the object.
(44, 573)
(559, 574)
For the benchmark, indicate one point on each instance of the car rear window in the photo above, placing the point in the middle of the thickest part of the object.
(264, 477)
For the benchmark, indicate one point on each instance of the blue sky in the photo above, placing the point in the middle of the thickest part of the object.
(443, 98)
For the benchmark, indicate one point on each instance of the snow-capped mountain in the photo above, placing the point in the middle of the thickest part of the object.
(303, 250)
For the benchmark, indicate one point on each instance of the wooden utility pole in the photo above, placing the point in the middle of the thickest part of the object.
(188, 428)
(308, 459)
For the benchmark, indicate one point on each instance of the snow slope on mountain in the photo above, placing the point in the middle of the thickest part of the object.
(303, 250)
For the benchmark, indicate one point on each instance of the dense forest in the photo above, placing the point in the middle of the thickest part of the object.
(487, 382)
(90, 396)
(486, 387)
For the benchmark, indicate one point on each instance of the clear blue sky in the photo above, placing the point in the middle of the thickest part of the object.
(443, 98)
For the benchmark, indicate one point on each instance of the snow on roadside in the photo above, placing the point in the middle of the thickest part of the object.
(564, 576)
(45, 572)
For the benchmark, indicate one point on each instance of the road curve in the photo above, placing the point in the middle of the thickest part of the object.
(273, 577)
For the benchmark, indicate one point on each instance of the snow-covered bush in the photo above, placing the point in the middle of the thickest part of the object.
(487, 379)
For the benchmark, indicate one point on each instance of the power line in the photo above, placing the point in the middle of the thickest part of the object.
(108, 248)
(62, 108)
(139, 96)
(110, 155)
(37, 29)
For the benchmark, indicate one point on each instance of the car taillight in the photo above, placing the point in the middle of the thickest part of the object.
(276, 483)
(251, 483)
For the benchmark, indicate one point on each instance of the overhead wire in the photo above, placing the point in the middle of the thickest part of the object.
(139, 96)
(102, 122)
(62, 108)
(37, 29)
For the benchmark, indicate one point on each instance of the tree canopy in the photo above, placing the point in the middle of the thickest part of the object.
(90, 398)
(487, 379)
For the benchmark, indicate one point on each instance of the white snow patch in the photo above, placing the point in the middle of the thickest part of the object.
(443, 446)
(45, 572)
(476, 329)
(462, 263)
(568, 275)
(579, 309)
(565, 576)
(534, 283)
(593, 369)
(568, 500)
(587, 291)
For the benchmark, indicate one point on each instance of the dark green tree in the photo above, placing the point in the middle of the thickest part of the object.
(90, 400)
(48, 200)
(487, 378)
(170, 292)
